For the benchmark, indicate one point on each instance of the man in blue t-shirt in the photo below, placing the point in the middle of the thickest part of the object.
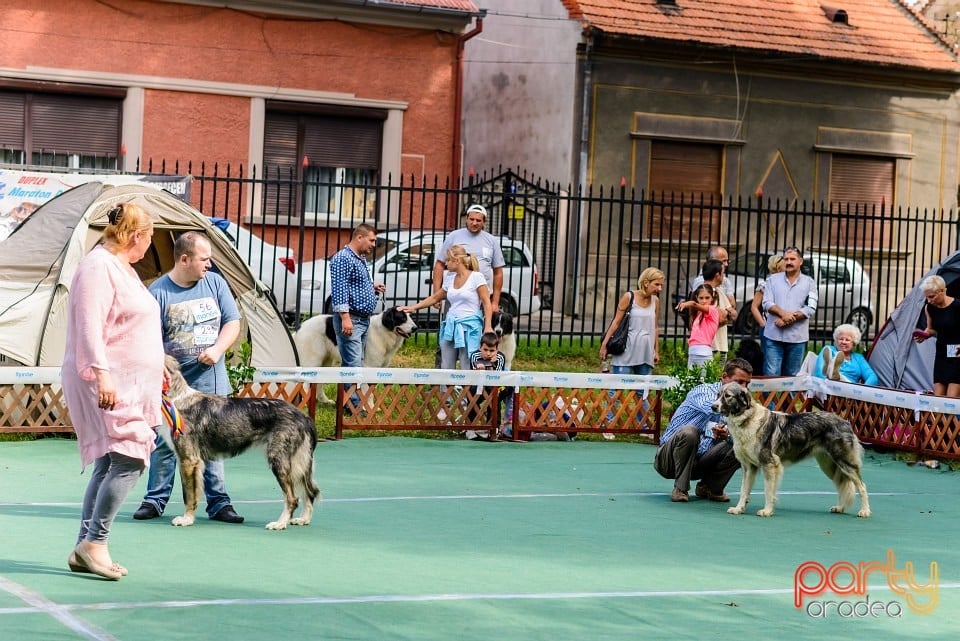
(200, 322)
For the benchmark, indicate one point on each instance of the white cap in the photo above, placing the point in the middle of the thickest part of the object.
(480, 209)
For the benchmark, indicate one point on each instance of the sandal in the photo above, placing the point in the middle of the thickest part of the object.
(76, 564)
(78, 561)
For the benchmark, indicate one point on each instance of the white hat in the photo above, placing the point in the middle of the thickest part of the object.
(480, 209)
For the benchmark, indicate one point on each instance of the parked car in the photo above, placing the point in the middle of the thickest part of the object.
(275, 266)
(403, 260)
(842, 283)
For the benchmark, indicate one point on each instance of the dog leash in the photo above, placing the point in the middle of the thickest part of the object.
(170, 414)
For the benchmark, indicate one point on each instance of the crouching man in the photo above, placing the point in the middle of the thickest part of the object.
(697, 444)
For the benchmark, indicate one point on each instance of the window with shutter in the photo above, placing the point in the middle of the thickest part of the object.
(342, 148)
(60, 129)
(685, 185)
(860, 186)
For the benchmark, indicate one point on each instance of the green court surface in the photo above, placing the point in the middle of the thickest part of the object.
(439, 540)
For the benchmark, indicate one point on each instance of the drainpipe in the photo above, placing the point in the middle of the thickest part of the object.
(458, 98)
(576, 247)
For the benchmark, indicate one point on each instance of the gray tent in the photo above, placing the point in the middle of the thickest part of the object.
(38, 260)
(899, 362)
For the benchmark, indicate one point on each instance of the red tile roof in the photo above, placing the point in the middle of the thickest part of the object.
(883, 32)
(453, 5)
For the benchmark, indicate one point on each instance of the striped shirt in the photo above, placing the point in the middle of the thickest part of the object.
(351, 287)
(696, 410)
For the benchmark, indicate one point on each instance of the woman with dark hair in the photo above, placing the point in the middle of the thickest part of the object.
(112, 379)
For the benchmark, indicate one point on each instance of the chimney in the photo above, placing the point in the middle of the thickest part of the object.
(835, 15)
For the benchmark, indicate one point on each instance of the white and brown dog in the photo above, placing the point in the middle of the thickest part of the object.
(767, 441)
(317, 342)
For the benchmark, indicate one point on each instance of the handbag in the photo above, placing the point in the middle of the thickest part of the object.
(618, 341)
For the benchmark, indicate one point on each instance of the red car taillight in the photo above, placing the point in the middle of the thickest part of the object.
(290, 263)
(536, 282)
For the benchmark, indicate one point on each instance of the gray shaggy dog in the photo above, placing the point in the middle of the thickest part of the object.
(223, 427)
(768, 441)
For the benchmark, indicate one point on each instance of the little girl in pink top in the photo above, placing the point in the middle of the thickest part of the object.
(705, 320)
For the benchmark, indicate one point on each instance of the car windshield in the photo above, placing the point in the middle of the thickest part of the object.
(755, 266)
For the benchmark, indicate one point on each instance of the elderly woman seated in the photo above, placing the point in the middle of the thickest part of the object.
(839, 362)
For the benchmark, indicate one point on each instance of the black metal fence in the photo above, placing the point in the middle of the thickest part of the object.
(589, 244)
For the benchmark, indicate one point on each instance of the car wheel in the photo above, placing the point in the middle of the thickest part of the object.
(507, 305)
(861, 319)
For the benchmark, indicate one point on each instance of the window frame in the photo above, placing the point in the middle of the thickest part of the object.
(297, 133)
(87, 119)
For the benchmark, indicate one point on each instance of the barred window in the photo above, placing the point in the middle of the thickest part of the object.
(860, 186)
(60, 129)
(685, 187)
(342, 147)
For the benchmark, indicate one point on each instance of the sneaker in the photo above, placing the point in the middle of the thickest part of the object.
(470, 435)
(146, 511)
(704, 492)
(608, 436)
(679, 496)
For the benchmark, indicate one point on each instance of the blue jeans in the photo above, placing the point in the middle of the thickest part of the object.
(351, 347)
(639, 370)
(163, 467)
(782, 359)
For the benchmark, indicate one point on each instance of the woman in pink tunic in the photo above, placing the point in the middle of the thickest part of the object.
(112, 378)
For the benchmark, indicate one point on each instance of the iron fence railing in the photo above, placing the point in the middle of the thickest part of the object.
(589, 243)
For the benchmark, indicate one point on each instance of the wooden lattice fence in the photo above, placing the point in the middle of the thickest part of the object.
(39, 407)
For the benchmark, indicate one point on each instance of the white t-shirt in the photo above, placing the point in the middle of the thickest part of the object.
(464, 301)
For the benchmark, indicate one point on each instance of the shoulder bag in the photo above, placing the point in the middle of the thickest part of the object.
(618, 342)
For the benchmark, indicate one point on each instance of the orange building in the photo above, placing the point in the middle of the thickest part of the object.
(340, 90)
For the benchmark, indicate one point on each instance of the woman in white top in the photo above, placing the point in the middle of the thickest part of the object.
(643, 342)
(470, 310)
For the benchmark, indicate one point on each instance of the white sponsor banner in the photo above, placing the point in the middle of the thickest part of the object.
(29, 375)
(22, 192)
(404, 376)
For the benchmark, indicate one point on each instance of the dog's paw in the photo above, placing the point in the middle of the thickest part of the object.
(836, 509)
(864, 513)
(736, 509)
(277, 525)
(183, 521)
(299, 521)
(767, 511)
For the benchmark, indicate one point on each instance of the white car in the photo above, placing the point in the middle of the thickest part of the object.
(403, 261)
(275, 266)
(842, 283)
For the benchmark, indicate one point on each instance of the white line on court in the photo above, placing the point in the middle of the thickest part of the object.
(61, 613)
(463, 497)
(429, 598)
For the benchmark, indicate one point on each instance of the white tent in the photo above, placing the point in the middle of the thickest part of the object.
(899, 362)
(38, 260)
